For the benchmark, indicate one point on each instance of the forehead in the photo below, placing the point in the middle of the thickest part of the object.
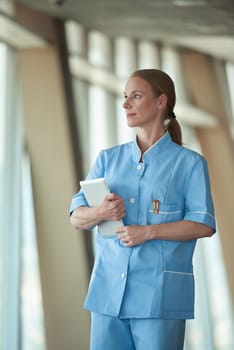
(137, 84)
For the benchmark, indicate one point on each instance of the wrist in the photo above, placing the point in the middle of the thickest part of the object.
(98, 214)
(150, 232)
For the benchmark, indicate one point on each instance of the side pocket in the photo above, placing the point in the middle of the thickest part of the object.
(178, 291)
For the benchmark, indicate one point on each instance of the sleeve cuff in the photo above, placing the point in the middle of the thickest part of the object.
(201, 217)
(78, 202)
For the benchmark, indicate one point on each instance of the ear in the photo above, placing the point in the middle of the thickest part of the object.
(162, 101)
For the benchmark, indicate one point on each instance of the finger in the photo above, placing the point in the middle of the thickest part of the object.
(124, 239)
(118, 205)
(120, 229)
(128, 244)
(112, 197)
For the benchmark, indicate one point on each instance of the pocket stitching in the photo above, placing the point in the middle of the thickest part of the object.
(178, 272)
(165, 212)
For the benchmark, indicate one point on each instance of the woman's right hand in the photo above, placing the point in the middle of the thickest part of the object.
(111, 208)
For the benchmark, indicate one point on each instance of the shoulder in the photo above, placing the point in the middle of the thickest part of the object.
(116, 149)
(189, 155)
(181, 152)
(188, 161)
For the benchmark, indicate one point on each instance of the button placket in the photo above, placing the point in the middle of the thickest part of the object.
(140, 168)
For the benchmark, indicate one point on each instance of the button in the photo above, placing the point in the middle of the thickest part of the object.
(123, 275)
(132, 200)
(139, 167)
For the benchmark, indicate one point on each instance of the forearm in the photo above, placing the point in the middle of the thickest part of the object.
(85, 218)
(180, 230)
(177, 231)
(112, 208)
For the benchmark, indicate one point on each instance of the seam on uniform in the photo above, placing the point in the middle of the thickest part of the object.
(201, 212)
(165, 212)
(178, 272)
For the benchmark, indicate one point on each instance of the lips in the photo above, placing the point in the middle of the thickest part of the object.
(129, 115)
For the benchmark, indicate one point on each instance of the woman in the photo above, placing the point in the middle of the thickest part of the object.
(142, 286)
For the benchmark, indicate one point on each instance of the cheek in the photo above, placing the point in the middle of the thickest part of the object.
(143, 106)
(147, 103)
(148, 108)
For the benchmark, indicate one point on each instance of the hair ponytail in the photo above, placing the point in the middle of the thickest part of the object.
(174, 129)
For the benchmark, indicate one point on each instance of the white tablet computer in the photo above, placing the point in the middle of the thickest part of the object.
(95, 191)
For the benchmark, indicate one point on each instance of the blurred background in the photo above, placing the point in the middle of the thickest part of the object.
(63, 65)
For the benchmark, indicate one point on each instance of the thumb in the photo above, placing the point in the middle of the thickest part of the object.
(120, 229)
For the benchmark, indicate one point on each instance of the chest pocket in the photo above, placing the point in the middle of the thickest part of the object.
(166, 213)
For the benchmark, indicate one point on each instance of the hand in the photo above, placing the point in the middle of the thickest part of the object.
(112, 208)
(132, 235)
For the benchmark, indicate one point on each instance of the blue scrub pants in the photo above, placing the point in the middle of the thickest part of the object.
(113, 333)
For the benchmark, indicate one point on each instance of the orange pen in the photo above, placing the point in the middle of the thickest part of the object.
(156, 204)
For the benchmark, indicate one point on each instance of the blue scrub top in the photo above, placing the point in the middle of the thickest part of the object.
(154, 279)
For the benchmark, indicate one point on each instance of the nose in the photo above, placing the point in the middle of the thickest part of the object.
(126, 103)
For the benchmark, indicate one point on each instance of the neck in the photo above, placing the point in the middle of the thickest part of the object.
(146, 139)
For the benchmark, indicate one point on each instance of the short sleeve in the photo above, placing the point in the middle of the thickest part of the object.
(78, 200)
(97, 171)
(198, 200)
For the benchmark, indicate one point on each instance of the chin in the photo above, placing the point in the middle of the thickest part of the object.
(131, 123)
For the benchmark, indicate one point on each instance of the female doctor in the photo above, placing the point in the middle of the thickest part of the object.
(142, 285)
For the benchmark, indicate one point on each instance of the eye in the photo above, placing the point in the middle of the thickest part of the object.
(137, 96)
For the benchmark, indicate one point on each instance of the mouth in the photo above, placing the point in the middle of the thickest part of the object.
(130, 115)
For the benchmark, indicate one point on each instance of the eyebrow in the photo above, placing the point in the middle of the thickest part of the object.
(134, 91)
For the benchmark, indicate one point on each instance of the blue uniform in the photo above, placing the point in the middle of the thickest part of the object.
(154, 279)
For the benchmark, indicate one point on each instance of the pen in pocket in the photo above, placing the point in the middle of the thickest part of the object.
(156, 204)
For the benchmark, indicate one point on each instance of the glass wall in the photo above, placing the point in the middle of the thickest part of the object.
(10, 202)
(212, 328)
(21, 317)
(32, 335)
(230, 80)
(2, 158)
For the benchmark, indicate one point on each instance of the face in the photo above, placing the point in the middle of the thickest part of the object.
(142, 107)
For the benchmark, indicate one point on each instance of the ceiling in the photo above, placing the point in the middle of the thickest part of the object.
(207, 25)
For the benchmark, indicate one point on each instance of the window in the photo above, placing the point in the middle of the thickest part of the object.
(213, 324)
(230, 81)
(17, 232)
(2, 161)
(9, 205)
(32, 330)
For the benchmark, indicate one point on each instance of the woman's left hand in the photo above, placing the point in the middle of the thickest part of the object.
(132, 235)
